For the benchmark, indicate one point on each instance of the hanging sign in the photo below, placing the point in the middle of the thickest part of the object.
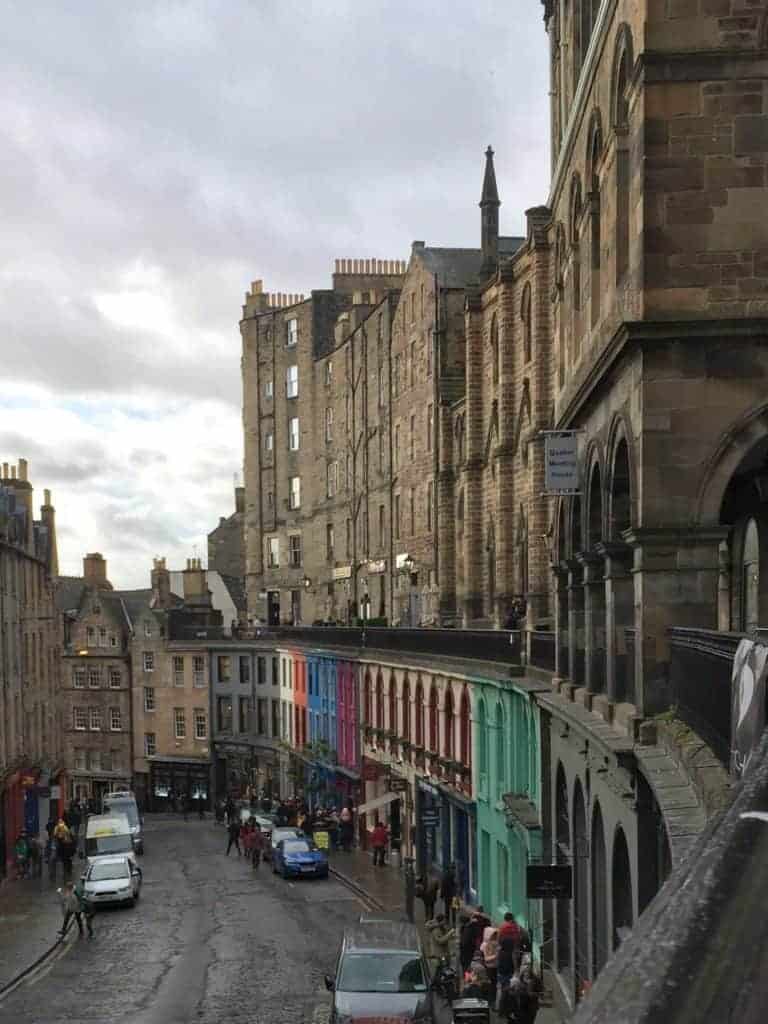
(549, 881)
(561, 462)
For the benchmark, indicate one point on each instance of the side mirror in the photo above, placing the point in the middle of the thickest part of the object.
(330, 984)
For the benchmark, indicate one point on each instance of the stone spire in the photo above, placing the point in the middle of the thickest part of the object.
(489, 218)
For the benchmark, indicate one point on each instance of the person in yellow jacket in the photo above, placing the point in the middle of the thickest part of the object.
(62, 833)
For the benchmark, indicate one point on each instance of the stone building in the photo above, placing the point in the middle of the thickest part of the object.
(31, 767)
(226, 543)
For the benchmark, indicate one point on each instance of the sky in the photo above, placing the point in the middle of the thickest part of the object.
(158, 157)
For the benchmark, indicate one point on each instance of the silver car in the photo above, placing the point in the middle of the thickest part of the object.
(112, 880)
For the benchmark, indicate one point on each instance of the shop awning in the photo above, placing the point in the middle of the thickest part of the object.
(379, 801)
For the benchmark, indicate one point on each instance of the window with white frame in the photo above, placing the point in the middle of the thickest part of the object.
(149, 661)
(332, 479)
(94, 678)
(294, 550)
(269, 389)
(294, 492)
(96, 722)
(329, 424)
(115, 720)
(80, 719)
(179, 723)
(201, 724)
(149, 698)
(178, 670)
(115, 679)
(102, 636)
(292, 332)
(78, 678)
(273, 552)
(292, 382)
(198, 670)
(150, 746)
(293, 434)
(92, 761)
(269, 441)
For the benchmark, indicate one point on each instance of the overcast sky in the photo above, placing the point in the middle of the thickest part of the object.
(159, 156)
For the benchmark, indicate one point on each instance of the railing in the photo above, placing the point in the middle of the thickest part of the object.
(701, 664)
(501, 645)
(543, 650)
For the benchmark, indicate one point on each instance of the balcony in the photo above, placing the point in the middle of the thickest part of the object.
(701, 664)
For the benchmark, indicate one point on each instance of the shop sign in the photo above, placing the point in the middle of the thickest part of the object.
(28, 780)
(55, 792)
(549, 881)
(377, 566)
(398, 784)
(561, 462)
(343, 572)
(430, 819)
(321, 840)
(400, 560)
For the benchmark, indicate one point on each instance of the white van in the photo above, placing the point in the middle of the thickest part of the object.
(106, 835)
(124, 802)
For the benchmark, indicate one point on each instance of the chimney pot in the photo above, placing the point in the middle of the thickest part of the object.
(22, 469)
(46, 497)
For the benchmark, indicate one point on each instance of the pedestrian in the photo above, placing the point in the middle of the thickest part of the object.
(35, 858)
(441, 937)
(74, 817)
(506, 955)
(257, 845)
(201, 808)
(74, 904)
(477, 983)
(21, 855)
(61, 832)
(67, 848)
(526, 992)
(379, 838)
(448, 889)
(471, 936)
(246, 831)
(230, 810)
(510, 930)
(233, 833)
(346, 828)
(489, 947)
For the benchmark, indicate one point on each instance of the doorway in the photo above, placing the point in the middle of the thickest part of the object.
(273, 608)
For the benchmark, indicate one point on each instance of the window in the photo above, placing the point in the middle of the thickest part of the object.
(294, 550)
(329, 542)
(273, 552)
(430, 425)
(79, 759)
(78, 678)
(102, 637)
(430, 499)
(276, 718)
(329, 424)
(96, 720)
(292, 332)
(93, 761)
(107, 762)
(275, 673)
(381, 449)
(382, 526)
(90, 634)
(332, 479)
(179, 723)
(80, 718)
(115, 679)
(112, 640)
(178, 670)
(224, 668)
(381, 388)
(294, 492)
(244, 708)
(347, 413)
(525, 316)
(494, 343)
(94, 678)
(201, 724)
(149, 661)
(149, 698)
(150, 746)
(412, 509)
(147, 629)
(198, 670)
(115, 720)
(292, 382)
(261, 716)
(293, 434)
(245, 669)
(329, 374)
(412, 439)
(224, 714)
(269, 441)
(269, 389)
(396, 451)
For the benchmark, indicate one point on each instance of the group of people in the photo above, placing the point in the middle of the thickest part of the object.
(60, 846)
(339, 824)
(249, 834)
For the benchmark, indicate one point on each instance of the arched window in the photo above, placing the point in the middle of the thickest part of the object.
(494, 341)
(501, 750)
(563, 856)
(620, 510)
(405, 701)
(448, 724)
(465, 730)
(595, 152)
(434, 740)
(379, 702)
(580, 888)
(368, 697)
(419, 712)
(560, 259)
(392, 703)
(576, 212)
(595, 511)
(491, 581)
(525, 317)
(600, 950)
(482, 739)
(621, 886)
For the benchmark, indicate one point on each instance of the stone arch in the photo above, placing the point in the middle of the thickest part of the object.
(563, 856)
(500, 768)
(736, 444)
(482, 737)
(575, 208)
(368, 699)
(621, 482)
(449, 725)
(392, 700)
(580, 847)
(621, 888)
(465, 728)
(594, 154)
(594, 517)
(623, 64)
(599, 870)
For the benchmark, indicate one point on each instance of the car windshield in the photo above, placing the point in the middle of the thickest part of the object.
(297, 846)
(381, 972)
(102, 872)
(126, 807)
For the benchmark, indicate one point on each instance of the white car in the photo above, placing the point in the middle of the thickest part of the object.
(112, 880)
(278, 834)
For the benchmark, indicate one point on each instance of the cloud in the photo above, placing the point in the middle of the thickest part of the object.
(160, 155)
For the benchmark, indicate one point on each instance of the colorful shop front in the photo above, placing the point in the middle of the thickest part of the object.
(446, 828)
(507, 777)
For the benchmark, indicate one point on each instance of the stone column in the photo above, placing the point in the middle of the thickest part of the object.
(594, 622)
(576, 623)
(562, 624)
(445, 518)
(619, 616)
(676, 575)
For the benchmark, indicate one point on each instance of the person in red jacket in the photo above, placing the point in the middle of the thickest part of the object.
(379, 840)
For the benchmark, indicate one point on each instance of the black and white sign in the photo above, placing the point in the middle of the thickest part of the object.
(549, 882)
(561, 463)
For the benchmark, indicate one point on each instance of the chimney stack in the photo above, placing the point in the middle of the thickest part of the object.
(161, 584)
(95, 571)
(195, 583)
(48, 518)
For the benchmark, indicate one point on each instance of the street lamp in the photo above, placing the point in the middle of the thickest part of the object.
(307, 582)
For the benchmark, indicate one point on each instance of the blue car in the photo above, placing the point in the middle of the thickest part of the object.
(296, 858)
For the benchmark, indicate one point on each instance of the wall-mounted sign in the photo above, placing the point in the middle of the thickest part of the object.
(430, 819)
(398, 784)
(549, 881)
(343, 572)
(561, 462)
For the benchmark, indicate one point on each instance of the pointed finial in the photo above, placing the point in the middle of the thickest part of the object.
(490, 191)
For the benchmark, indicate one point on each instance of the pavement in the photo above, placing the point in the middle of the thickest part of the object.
(30, 917)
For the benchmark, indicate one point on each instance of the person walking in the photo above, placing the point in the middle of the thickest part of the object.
(379, 838)
(426, 890)
(489, 947)
(346, 828)
(257, 845)
(448, 890)
(74, 904)
(441, 937)
(21, 855)
(233, 833)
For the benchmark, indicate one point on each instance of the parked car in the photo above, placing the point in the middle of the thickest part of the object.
(112, 880)
(299, 858)
(381, 972)
(278, 834)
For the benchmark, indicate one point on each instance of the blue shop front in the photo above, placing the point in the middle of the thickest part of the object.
(446, 829)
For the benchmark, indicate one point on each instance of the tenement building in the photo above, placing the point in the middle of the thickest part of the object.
(30, 640)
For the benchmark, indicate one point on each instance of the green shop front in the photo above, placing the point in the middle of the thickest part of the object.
(507, 784)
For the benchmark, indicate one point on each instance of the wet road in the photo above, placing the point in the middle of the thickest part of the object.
(208, 942)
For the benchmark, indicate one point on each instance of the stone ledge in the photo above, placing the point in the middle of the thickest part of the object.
(707, 774)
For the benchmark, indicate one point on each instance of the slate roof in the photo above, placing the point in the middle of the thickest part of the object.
(456, 268)
(69, 591)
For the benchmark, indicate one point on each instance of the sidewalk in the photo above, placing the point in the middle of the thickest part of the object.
(30, 917)
(387, 886)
